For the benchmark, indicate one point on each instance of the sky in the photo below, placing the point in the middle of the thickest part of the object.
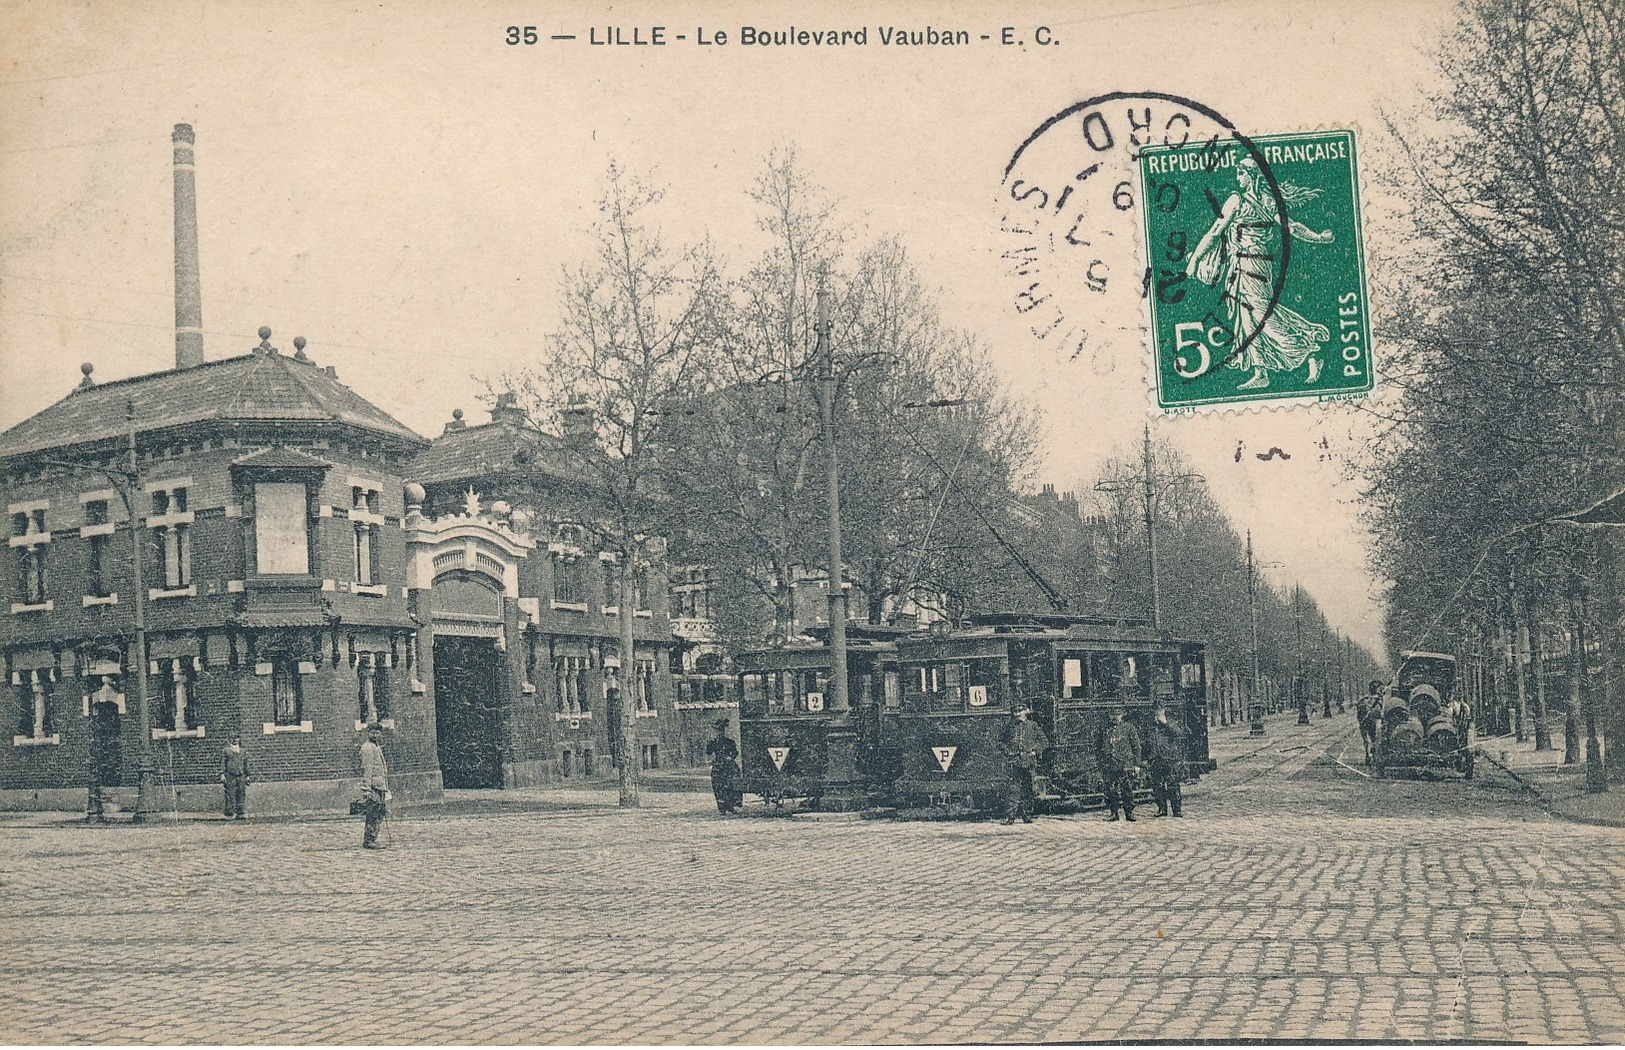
(401, 187)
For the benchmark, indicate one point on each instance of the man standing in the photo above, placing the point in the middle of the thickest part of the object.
(1119, 753)
(1167, 764)
(1024, 745)
(234, 774)
(1369, 712)
(724, 769)
(374, 786)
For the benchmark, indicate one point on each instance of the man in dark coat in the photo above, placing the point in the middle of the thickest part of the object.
(1166, 764)
(234, 775)
(1369, 711)
(1118, 749)
(1024, 745)
(725, 787)
(106, 758)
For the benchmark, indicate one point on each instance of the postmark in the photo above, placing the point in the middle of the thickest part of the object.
(1070, 230)
(1243, 307)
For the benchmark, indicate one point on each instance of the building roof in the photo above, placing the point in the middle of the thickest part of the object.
(262, 386)
(499, 447)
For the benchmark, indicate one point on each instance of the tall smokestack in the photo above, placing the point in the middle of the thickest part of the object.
(188, 285)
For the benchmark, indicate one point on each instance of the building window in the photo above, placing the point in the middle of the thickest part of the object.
(566, 763)
(643, 685)
(612, 586)
(569, 581)
(30, 540)
(98, 574)
(34, 705)
(651, 756)
(640, 590)
(365, 518)
(691, 597)
(588, 767)
(571, 675)
(172, 532)
(287, 692)
(281, 528)
(177, 708)
(372, 687)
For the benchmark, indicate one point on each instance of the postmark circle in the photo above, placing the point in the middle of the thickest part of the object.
(1070, 231)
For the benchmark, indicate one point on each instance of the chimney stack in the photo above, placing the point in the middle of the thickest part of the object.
(188, 285)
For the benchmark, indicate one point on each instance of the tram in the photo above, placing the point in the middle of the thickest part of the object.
(793, 746)
(960, 691)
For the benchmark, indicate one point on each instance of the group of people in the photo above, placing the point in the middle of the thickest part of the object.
(1121, 754)
(374, 801)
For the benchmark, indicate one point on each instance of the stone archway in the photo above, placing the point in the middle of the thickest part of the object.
(464, 576)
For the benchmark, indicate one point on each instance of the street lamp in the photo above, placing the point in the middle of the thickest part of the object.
(125, 482)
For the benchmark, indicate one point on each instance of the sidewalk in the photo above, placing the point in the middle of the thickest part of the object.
(1560, 787)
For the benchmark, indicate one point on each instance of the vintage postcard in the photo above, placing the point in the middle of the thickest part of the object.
(906, 523)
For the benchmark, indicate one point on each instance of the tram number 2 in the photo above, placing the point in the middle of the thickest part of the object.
(1196, 344)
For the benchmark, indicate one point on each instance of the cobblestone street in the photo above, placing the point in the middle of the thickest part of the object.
(1299, 899)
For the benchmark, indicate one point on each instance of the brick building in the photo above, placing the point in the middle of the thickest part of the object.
(292, 594)
(267, 499)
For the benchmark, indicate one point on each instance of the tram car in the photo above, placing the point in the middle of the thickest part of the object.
(1421, 725)
(961, 690)
(793, 746)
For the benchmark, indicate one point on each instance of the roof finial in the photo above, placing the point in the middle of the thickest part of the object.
(299, 348)
(265, 346)
(85, 369)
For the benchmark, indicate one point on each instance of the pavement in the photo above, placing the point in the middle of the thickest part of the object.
(1561, 786)
(1299, 899)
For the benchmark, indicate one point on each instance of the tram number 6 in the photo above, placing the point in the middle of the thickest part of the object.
(1182, 344)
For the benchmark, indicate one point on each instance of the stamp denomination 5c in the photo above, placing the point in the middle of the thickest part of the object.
(1243, 305)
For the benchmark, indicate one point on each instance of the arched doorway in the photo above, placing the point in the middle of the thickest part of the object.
(469, 675)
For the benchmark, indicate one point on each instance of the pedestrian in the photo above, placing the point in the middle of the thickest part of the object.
(374, 786)
(1118, 750)
(1167, 764)
(1369, 712)
(234, 775)
(725, 787)
(1024, 744)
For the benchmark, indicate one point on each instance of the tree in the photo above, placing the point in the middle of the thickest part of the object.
(1511, 371)
(636, 342)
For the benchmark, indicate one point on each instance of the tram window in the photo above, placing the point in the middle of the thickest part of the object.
(1162, 678)
(1105, 678)
(755, 693)
(1072, 678)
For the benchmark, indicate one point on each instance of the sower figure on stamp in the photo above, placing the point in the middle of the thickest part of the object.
(725, 787)
(1118, 750)
(1025, 744)
(374, 786)
(1167, 764)
(1239, 249)
(234, 775)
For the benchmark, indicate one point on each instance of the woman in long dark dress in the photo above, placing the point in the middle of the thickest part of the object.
(725, 769)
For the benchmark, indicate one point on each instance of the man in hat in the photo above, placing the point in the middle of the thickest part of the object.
(374, 785)
(1166, 764)
(724, 754)
(1024, 745)
(234, 775)
(1118, 751)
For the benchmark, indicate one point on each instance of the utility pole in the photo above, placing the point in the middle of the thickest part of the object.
(837, 585)
(146, 784)
(1255, 703)
(1152, 486)
(1300, 694)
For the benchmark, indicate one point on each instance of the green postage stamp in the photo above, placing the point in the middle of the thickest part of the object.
(1256, 279)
